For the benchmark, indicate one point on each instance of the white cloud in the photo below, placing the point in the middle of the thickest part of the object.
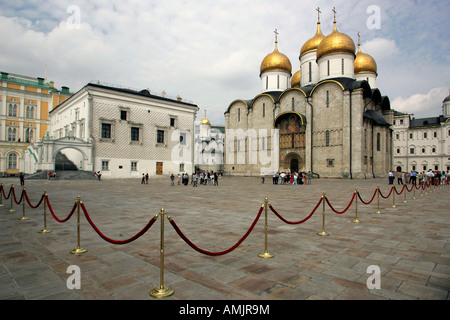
(422, 104)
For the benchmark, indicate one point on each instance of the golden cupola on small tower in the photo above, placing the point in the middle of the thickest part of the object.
(275, 70)
(365, 67)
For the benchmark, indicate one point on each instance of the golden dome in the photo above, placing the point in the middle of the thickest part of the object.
(335, 42)
(276, 61)
(295, 80)
(313, 43)
(364, 63)
(205, 121)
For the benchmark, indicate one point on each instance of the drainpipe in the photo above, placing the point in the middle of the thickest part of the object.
(311, 151)
(351, 175)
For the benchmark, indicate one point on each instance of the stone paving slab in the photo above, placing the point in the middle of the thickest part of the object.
(409, 243)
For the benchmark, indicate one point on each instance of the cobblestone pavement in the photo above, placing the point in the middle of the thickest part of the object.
(409, 243)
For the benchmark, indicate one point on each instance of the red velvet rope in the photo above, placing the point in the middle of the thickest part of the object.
(401, 191)
(409, 190)
(209, 253)
(29, 203)
(370, 201)
(348, 206)
(53, 214)
(137, 235)
(296, 222)
(14, 194)
(3, 191)
(387, 195)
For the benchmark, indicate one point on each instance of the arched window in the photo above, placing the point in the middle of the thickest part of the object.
(12, 161)
(12, 110)
(30, 112)
(29, 132)
(12, 134)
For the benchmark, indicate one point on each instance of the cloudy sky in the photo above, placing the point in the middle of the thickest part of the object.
(209, 52)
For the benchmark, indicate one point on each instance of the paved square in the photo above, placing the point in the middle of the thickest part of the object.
(409, 243)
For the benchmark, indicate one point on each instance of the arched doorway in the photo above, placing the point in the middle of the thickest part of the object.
(291, 127)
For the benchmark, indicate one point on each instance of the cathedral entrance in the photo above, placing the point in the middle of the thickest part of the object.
(292, 128)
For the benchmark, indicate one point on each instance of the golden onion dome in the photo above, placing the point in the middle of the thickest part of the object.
(364, 63)
(276, 61)
(295, 80)
(335, 42)
(313, 43)
(205, 121)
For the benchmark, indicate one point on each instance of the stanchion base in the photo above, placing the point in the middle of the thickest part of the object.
(2, 205)
(356, 220)
(11, 210)
(23, 218)
(78, 251)
(45, 231)
(378, 212)
(414, 198)
(393, 206)
(265, 254)
(161, 292)
(322, 233)
(404, 201)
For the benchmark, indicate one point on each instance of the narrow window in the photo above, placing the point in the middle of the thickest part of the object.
(328, 67)
(239, 114)
(123, 115)
(310, 72)
(106, 130)
(134, 134)
(342, 66)
(264, 110)
(378, 141)
(327, 138)
(328, 99)
(293, 104)
(160, 136)
(12, 161)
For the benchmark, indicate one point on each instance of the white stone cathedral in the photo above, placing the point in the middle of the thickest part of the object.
(328, 118)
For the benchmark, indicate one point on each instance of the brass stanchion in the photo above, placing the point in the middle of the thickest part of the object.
(78, 249)
(161, 291)
(393, 197)
(23, 205)
(421, 189)
(45, 230)
(378, 200)
(1, 196)
(323, 233)
(265, 253)
(12, 200)
(356, 220)
(404, 190)
(414, 192)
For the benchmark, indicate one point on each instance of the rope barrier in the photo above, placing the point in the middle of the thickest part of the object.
(348, 206)
(136, 236)
(209, 253)
(370, 201)
(295, 222)
(381, 194)
(53, 214)
(29, 203)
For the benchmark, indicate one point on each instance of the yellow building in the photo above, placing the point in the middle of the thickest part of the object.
(24, 106)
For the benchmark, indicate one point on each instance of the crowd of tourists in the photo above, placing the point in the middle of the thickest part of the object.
(414, 177)
(200, 177)
(294, 178)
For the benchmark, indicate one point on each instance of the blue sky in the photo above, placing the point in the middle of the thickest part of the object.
(209, 52)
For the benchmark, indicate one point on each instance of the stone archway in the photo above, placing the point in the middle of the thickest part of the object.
(292, 130)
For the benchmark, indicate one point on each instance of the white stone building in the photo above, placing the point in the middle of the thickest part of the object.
(121, 132)
(421, 144)
(328, 118)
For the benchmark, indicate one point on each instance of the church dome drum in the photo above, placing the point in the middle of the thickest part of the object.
(336, 42)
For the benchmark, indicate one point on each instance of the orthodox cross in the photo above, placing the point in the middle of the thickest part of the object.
(318, 13)
(276, 36)
(358, 39)
(334, 10)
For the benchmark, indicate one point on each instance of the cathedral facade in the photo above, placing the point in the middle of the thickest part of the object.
(328, 118)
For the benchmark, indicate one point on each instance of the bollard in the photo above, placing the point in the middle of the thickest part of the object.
(393, 197)
(378, 200)
(161, 291)
(265, 253)
(45, 230)
(1, 195)
(78, 249)
(12, 199)
(356, 220)
(323, 233)
(23, 205)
